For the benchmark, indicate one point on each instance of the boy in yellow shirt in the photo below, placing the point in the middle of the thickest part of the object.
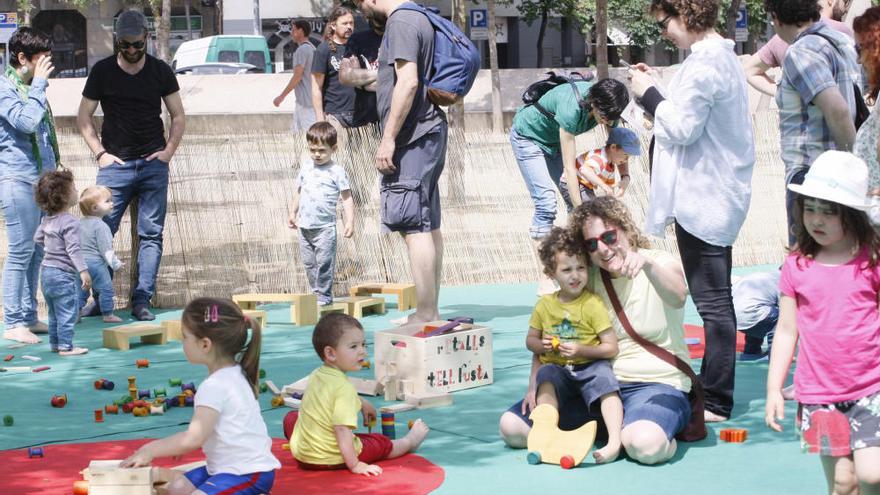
(572, 340)
(323, 430)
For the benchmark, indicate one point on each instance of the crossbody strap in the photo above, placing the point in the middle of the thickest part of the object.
(649, 346)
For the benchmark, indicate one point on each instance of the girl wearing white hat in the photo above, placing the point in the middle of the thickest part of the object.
(829, 292)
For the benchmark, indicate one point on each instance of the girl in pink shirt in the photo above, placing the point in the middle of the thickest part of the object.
(828, 305)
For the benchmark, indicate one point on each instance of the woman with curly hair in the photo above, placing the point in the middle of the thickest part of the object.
(701, 174)
(652, 292)
(867, 34)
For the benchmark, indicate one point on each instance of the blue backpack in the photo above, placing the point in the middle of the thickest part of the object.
(456, 60)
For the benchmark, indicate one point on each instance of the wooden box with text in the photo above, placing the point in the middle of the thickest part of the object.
(448, 362)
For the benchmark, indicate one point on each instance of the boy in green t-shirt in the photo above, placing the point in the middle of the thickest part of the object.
(321, 433)
(572, 340)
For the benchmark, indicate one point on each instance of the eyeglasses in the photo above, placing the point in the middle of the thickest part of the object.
(125, 45)
(609, 238)
(663, 23)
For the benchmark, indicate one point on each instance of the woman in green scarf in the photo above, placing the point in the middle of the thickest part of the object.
(28, 148)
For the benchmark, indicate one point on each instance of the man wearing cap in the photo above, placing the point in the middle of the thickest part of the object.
(597, 169)
(132, 154)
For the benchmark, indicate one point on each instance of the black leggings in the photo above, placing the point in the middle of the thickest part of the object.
(707, 270)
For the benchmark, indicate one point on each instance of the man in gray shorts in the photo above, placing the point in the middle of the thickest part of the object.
(412, 151)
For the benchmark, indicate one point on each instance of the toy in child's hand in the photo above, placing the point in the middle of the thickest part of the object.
(554, 342)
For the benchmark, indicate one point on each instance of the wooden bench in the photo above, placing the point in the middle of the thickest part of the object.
(334, 307)
(303, 307)
(118, 337)
(358, 305)
(173, 327)
(257, 314)
(406, 293)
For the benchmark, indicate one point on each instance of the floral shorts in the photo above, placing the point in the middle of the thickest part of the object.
(837, 429)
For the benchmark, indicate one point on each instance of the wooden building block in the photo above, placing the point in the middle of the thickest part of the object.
(363, 387)
(552, 444)
(173, 329)
(118, 337)
(107, 478)
(406, 293)
(334, 307)
(397, 408)
(428, 401)
(256, 314)
(303, 307)
(358, 305)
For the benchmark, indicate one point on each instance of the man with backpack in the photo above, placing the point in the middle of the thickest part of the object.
(412, 150)
(818, 92)
(543, 140)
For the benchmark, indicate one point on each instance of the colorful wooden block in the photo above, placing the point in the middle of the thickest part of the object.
(303, 307)
(554, 446)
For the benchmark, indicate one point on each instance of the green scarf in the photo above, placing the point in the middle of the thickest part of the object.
(23, 90)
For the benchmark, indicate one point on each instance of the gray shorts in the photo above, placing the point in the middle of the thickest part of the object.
(410, 197)
(588, 382)
(837, 429)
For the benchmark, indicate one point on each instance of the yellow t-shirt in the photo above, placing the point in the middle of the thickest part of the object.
(580, 320)
(653, 320)
(329, 400)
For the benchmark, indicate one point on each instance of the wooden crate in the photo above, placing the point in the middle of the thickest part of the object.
(107, 478)
(457, 360)
(118, 337)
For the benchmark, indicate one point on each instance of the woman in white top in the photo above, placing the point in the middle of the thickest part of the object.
(701, 174)
(868, 137)
(651, 288)
(226, 423)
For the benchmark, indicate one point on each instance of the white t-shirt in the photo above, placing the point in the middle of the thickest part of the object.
(240, 443)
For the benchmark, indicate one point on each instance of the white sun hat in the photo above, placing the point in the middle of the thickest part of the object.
(838, 177)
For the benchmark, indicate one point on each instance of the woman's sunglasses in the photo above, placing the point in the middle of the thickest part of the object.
(125, 45)
(609, 238)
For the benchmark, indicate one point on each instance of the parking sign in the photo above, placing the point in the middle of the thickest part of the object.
(479, 24)
(8, 25)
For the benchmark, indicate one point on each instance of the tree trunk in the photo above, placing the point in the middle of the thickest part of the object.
(162, 20)
(730, 25)
(258, 24)
(189, 26)
(497, 117)
(602, 38)
(541, 32)
(24, 12)
(459, 18)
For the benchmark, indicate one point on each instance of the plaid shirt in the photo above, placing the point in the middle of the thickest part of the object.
(811, 66)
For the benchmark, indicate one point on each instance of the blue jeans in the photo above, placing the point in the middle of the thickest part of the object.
(541, 173)
(148, 181)
(102, 286)
(318, 251)
(22, 265)
(765, 328)
(61, 292)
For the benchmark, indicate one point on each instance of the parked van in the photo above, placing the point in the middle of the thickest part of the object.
(251, 50)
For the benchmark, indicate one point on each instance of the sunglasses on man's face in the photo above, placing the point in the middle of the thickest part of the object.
(609, 238)
(125, 45)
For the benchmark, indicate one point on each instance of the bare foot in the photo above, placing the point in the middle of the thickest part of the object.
(417, 434)
(711, 417)
(111, 318)
(607, 454)
(76, 351)
(21, 334)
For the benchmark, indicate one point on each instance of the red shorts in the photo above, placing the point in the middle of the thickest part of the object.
(376, 447)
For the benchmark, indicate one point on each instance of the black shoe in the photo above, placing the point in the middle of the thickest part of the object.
(90, 309)
(141, 313)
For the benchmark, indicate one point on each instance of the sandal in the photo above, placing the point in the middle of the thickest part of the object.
(76, 351)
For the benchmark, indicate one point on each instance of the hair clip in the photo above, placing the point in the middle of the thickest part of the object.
(247, 320)
(212, 314)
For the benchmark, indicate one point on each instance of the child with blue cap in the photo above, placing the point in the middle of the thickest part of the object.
(598, 169)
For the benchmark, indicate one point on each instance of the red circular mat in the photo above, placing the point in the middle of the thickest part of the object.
(61, 466)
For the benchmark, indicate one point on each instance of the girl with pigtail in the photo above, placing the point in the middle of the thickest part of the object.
(226, 422)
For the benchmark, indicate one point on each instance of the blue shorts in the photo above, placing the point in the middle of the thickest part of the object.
(658, 403)
(231, 484)
(589, 383)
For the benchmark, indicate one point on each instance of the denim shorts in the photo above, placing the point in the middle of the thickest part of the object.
(838, 429)
(588, 383)
(410, 197)
(658, 403)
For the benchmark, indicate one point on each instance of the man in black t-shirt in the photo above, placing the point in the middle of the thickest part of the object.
(132, 153)
(329, 97)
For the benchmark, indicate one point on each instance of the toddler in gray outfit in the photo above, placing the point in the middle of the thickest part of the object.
(96, 239)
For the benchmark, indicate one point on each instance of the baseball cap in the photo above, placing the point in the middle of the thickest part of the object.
(131, 23)
(626, 139)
